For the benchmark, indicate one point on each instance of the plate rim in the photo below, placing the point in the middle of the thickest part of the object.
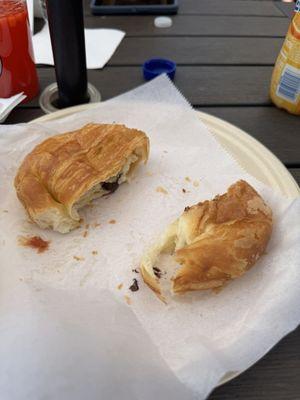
(269, 156)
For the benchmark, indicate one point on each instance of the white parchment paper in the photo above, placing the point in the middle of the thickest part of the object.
(65, 325)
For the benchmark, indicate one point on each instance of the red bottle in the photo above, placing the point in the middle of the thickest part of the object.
(17, 67)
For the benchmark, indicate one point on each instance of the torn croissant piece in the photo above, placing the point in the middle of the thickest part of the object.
(65, 172)
(212, 242)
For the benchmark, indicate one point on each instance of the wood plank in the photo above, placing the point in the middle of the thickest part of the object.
(220, 7)
(194, 25)
(228, 7)
(286, 8)
(214, 86)
(198, 50)
(275, 128)
(296, 174)
(274, 377)
(20, 115)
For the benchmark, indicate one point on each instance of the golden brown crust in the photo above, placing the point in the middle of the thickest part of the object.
(62, 168)
(220, 239)
(229, 234)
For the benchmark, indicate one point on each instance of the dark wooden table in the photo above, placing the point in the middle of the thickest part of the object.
(225, 51)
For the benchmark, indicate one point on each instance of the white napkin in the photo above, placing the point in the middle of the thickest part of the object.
(63, 326)
(100, 46)
(7, 105)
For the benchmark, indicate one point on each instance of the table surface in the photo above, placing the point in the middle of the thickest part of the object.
(225, 51)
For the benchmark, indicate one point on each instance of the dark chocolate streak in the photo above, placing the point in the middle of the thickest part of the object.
(111, 186)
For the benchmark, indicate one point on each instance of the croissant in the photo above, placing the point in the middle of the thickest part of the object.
(212, 242)
(67, 171)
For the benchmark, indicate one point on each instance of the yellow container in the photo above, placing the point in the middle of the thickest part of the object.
(285, 82)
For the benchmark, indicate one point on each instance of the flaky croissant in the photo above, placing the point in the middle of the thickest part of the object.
(68, 171)
(213, 242)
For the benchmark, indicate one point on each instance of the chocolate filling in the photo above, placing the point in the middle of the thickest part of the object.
(111, 186)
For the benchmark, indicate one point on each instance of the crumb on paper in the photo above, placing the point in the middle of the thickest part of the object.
(187, 179)
(160, 189)
(94, 252)
(78, 258)
(112, 221)
(35, 242)
(196, 183)
(136, 271)
(96, 224)
(120, 285)
(127, 299)
(183, 190)
(85, 233)
(135, 286)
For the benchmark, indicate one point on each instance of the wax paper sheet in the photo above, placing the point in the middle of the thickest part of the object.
(65, 311)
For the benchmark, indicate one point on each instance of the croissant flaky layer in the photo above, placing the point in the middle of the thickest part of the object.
(213, 242)
(67, 171)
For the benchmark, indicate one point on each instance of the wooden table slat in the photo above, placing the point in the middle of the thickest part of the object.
(199, 50)
(194, 25)
(296, 174)
(286, 8)
(275, 377)
(228, 7)
(221, 7)
(21, 115)
(203, 85)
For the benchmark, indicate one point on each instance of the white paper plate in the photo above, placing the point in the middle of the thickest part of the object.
(254, 157)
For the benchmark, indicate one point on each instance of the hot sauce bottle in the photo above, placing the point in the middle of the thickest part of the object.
(17, 66)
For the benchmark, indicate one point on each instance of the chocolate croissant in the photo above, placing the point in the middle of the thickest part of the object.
(65, 172)
(212, 242)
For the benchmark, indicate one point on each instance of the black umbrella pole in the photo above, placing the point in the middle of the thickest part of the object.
(67, 38)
